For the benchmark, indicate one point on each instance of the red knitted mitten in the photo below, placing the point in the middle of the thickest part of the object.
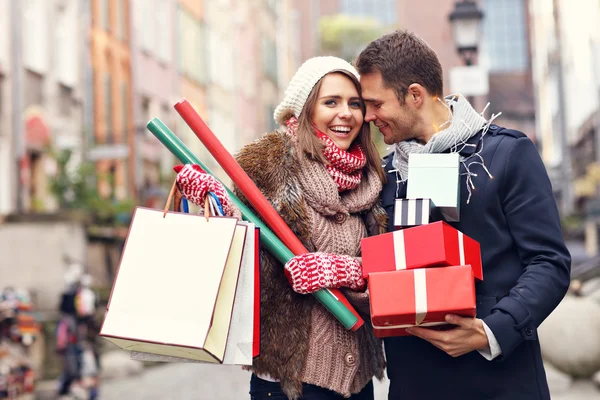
(195, 184)
(310, 272)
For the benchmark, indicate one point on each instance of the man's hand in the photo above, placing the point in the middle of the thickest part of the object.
(467, 336)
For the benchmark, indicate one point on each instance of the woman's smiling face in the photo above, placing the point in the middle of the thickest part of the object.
(337, 112)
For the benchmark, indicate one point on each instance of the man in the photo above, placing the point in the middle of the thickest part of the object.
(506, 205)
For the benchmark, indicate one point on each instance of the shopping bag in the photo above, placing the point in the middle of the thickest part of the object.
(174, 290)
(257, 315)
(240, 342)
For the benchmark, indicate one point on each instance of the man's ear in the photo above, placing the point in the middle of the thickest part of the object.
(416, 94)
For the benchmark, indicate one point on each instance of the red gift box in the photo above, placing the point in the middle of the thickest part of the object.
(432, 245)
(419, 297)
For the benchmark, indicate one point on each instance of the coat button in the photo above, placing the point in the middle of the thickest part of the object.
(350, 359)
(528, 331)
(340, 218)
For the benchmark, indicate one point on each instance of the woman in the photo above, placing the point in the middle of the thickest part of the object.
(322, 173)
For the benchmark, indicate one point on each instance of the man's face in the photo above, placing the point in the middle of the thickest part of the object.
(395, 121)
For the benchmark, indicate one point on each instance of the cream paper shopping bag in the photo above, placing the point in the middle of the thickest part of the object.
(238, 350)
(164, 297)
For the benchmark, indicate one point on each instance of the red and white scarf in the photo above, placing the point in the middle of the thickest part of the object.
(345, 167)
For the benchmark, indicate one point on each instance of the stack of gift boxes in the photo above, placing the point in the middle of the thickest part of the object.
(425, 269)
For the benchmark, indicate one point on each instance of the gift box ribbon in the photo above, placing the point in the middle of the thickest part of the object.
(400, 251)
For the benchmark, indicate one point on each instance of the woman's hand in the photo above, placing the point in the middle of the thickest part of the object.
(310, 272)
(195, 184)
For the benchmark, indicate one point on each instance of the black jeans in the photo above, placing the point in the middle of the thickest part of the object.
(261, 389)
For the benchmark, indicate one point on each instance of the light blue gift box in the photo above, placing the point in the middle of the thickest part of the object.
(437, 177)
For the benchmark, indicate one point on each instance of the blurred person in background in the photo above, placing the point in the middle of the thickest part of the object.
(66, 332)
(507, 205)
(322, 173)
(76, 336)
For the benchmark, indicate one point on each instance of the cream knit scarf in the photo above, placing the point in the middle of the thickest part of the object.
(463, 123)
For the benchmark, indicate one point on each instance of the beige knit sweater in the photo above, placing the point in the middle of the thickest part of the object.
(335, 359)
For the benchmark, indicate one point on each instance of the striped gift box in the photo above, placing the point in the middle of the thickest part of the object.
(413, 212)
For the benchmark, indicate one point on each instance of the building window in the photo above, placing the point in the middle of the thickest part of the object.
(109, 134)
(4, 43)
(192, 47)
(382, 10)
(505, 35)
(272, 5)
(165, 112)
(221, 61)
(65, 101)
(164, 29)
(124, 111)
(35, 40)
(66, 59)
(112, 181)
(121, 19)
(34, 88)
(105, 14)
(145, 25)
(1, 94)
(271, 125)
(269, 51)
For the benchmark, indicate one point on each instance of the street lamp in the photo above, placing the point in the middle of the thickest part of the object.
(466, 28)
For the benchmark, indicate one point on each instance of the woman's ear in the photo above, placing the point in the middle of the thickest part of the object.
(416, 94)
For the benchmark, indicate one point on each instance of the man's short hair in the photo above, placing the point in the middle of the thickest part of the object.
(402, 58)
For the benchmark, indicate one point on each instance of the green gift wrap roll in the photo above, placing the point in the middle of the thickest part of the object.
(268, 238)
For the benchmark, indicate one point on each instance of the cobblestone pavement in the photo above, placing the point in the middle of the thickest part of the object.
(204, 382)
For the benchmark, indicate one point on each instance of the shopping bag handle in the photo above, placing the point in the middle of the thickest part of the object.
(170, 199)
(175, 193)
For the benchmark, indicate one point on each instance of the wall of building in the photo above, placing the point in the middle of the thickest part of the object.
(41, 271)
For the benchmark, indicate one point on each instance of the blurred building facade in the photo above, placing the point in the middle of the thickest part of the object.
(567, 79)
(95, 71)
(111, 145)
(41, 92)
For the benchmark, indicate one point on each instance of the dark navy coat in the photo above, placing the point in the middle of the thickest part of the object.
(526, 268)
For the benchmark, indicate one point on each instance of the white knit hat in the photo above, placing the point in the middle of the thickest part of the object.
(307, 76)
